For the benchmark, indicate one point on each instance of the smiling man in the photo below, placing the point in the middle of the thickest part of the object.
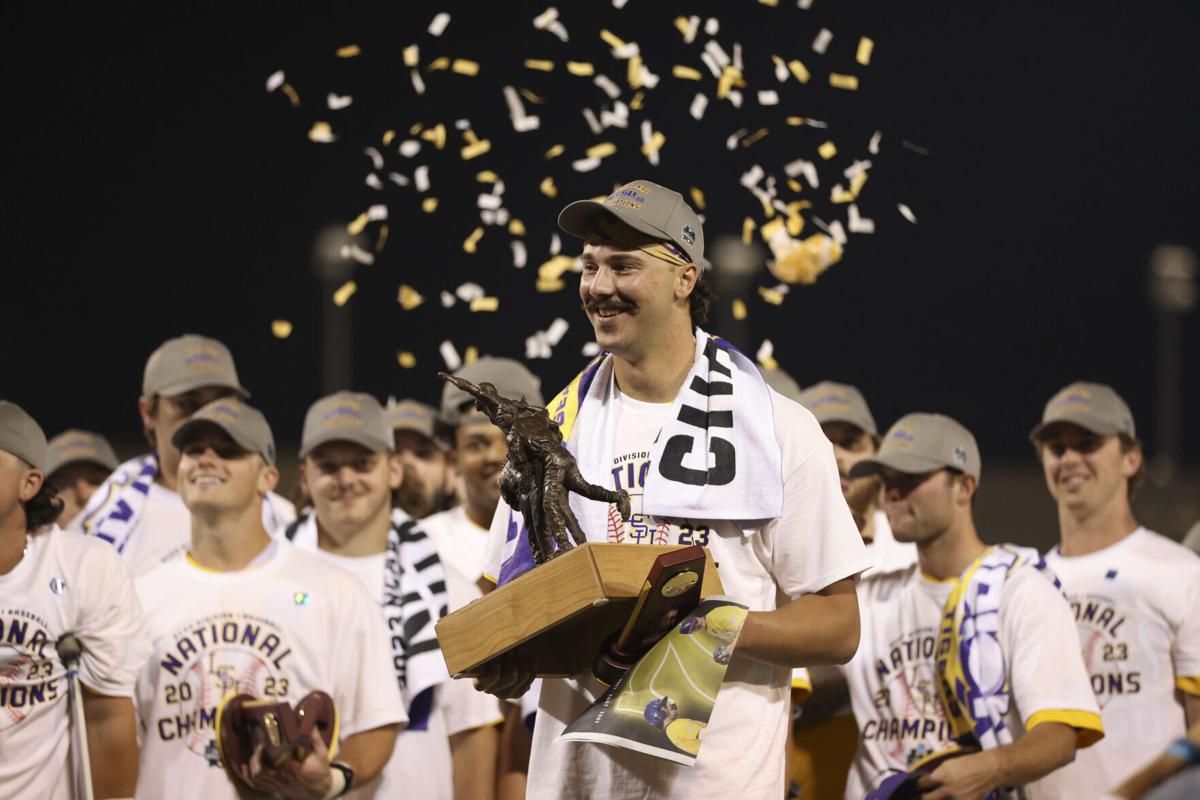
(1134, 593)
(138, 509)
(709, 455)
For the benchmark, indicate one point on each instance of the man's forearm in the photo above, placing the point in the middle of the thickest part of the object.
(368, 752)
(474, 753)
(1035, 755)
(112, 744)
(813, 630)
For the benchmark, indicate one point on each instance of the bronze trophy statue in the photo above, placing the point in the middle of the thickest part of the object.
(540, 472)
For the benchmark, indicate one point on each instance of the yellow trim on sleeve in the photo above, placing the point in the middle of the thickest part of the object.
(1088, 727)
(801, 690)
(1188, 684)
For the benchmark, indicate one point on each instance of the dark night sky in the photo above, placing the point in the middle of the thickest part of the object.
(151, 187)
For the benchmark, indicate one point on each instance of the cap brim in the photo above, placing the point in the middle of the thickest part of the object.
(1090, 424)
(356, 436)
(578, 219)
(184, 431)
(908, 463)
(199, 382)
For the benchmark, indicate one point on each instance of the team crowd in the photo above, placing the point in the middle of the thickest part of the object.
(892, 649)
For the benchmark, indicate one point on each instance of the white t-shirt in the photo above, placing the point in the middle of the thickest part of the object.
(285, 626)
(460, 543)
(812, 545)
(893, 678)
(164, 530)
(66, 583)
(420, 765)
(1135, 606)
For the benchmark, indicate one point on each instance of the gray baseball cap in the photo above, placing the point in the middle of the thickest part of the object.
(188, 362)
(920, 443)
(839, 402)
(511, 378)
(74, 445)
(411, 415)
(244, 423)
(646, 207)
(22, 436)
(782, 382)
(346, 417)
(1092, 406)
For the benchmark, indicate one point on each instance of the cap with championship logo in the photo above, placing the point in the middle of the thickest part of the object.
(1092, 406)
(410, 415)
(188, 362)
(511, 379)
(22, 436)
(920, 443)
(346, 417)
(646, 207)
(782, 382)
(74, 446)
(839, 402)
(243, 423)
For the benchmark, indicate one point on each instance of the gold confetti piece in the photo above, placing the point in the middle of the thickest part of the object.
(770, 363)
(807, 259)
(349, 51)
(437, 135)
(685, 73)
(471, 355)
(633, 72)
(547, 187)
(415, 129)
(412, 55)
(795, 185)
(409, 298)
(601, 150)
(531, 97)
(772, 296)
(357, 225)
(429, 205)
(731, 77)
(556, 285)
(697, 198)
(748, 226)
(281, 328)
(539, 64)
(799, 70)
(555, 267)
(754, 137)
(581, 68)
(472, 242)
(739, 310)
(771, 3)
(865, 47)
(388, 136)
(516, 227)
(771, 229)
(439, 63)
(344, 293)
(321, 132)
(470, 137)
(827, 150)
(682, 25)
(382, 240)
(839, 81)
(485, 304)
(406, 359)
(794, 121)
(477, 149)
(657, 140)
(291, 94)
(487, 176)
(611, 39)
(636, 102)
(858, 182)
(464, 66)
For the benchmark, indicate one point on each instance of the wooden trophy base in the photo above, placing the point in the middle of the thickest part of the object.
(558, 615)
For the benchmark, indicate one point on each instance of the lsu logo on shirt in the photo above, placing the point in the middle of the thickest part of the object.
(629, 473)
(911, 719)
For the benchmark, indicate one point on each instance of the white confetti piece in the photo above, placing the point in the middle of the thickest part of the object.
(520, 257)
(765, 351)
(521, 121)
(374, 182)
(438, 26)
(559, 30)
(418, 82)
(502, 216)
(699, 103)
(731, 143)
(590, 349)
(526, 124)
(712, 26)
(737, 57)
(618, 117)
(859, 166)
(536, 346)
(421, 178)
(592, 122)
(607, 86)
(275, 80)
(555, 244)
(693, 27)
(626, 51)
(409, 148)
(487, 217)
(821, 43)
(837, 232)
(449, 354)
(768, 97)
(462, 124)
(857, 223)
(469, 291)
(816, 123)
(398, 179)
(489, 201)
(804, 5)
(585, 164)
(556, 331)
(734, 98)
(806, 168)
(781, 69)
(619, 4)
(375, 156)
(907, 213)
(337, 103)
(377, 213)
(448, 299)
(714, 49)
(543, 20)
(356, 253)
(873, 146)
(712, 65)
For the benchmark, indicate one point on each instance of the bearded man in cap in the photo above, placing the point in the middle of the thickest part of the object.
(1134, 592)
(138, 509)
(711, 456)
(428, 482)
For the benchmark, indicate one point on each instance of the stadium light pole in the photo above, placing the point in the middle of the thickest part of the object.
(1173, 294)
(333, 269)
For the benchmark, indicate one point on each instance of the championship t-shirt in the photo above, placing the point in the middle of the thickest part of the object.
(1135, 607)
(65, 583)
(460, 542)
(893, 678)
(813, 544)
(420, 765)
(287, 625)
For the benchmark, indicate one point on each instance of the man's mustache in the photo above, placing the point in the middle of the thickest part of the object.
(607, 304)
